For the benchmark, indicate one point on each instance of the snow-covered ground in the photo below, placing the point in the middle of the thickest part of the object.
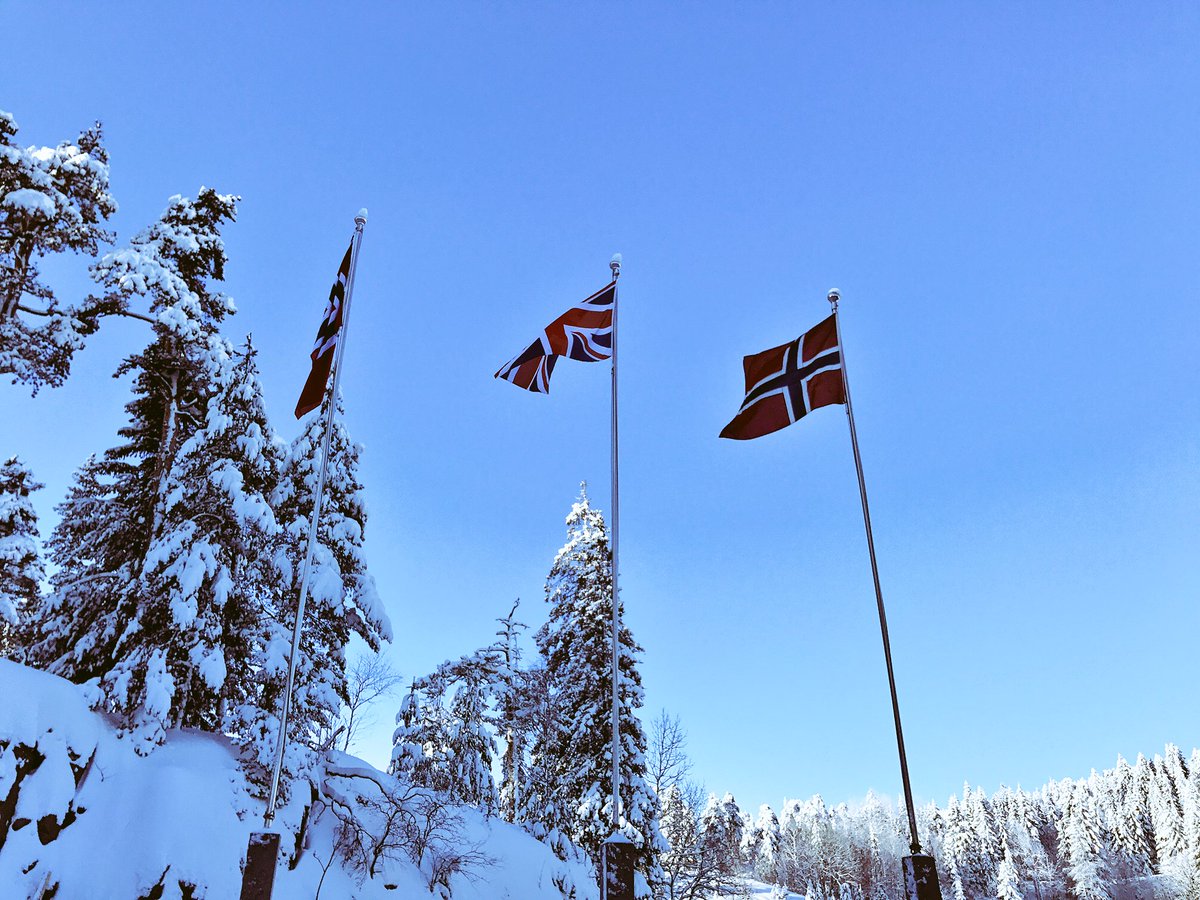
(102, 822)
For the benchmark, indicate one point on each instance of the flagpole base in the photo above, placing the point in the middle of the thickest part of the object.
(920, 878)
(616, 868)
(262, 856)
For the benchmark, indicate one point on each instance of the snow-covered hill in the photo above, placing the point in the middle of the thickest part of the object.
(80, 810)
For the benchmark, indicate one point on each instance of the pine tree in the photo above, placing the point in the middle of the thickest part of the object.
(1166, 812)
(52, 199)
(342, 602)
(959, 848)
(1131, 815)
(471, 749)
(1080, 835)
(21, 571)
(766, 866)
(1008, 885)
(114, 509)
(420, 744)
(680, 857)
(1187, 866)
(510, 691)
(207, 572)
(570, 793)
(721, 836)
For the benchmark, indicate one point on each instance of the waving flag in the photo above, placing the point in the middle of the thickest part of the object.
(325, 345)
(786, 383)
(583, 332)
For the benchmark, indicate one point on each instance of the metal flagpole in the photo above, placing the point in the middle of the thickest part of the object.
(617, 858)
(915, 843)
(360, 221)
(615, 265)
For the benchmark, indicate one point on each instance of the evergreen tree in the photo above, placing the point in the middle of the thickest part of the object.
(766, 858)
(342, 602)
(680, 857)
(1131, 821)
(420, 744)
(114, 509)
(1166, 813)
(721, 836)
(1008, 885)
(1080, 836)
(486, 689)
(471, 749)
(510, 690)
(208, 572)
(52, 199)
(569, 792)
(959, 848)
(1140, 792)
(21, 571)
(1188, 863)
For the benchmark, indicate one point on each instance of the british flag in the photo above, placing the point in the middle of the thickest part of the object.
(786, 383)
(325, 345)
(583, 332)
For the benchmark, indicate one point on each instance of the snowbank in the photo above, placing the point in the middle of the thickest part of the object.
(78, 808)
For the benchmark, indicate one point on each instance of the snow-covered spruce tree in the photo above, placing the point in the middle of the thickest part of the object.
(342, 602)
(52, 199)
(1186, 866)
(721, 835)
(472, 749)
(569, 791)
(21, 570)
(1166, 813)
(1081, 841)
(208, 572)
(1008, 884)
(760, 846)
(114, 509)
(510, 693)
(680, 859)
(447, 740)
(1131, 822)
(420, 743)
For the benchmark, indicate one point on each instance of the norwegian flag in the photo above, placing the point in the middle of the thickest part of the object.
(583, 332)
(325, 345)
(786, 383)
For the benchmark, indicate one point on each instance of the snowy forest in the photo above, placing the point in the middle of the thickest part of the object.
(162, 598)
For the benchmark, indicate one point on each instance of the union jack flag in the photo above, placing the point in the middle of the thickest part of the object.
(583, 332)
(786, 383)
(325, 345)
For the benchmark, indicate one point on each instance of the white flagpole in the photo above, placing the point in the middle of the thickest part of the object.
(615, 265)
(360, 221)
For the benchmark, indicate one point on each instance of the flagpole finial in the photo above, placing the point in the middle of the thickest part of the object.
(834, 296)
(615, 265)
(361, 217)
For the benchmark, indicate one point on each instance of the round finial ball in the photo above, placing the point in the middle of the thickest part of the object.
(835, 294)
(361, 217)
(616, 260)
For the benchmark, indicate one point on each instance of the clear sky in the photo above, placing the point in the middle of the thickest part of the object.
(1007, 195)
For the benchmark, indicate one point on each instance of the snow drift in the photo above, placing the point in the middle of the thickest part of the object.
(83, 816)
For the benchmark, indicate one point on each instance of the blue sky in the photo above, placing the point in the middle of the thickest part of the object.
(1006, 195)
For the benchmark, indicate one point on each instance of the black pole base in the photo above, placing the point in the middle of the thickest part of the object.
(920, 878)
(262, 855)
(616, 868)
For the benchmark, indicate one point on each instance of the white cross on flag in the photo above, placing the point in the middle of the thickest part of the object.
(325, 345)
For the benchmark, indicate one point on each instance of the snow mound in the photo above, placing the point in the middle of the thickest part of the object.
(72, 794)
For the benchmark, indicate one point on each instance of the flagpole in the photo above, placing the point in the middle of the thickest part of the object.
(360, 222)
(615, 266)
(915, 842)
